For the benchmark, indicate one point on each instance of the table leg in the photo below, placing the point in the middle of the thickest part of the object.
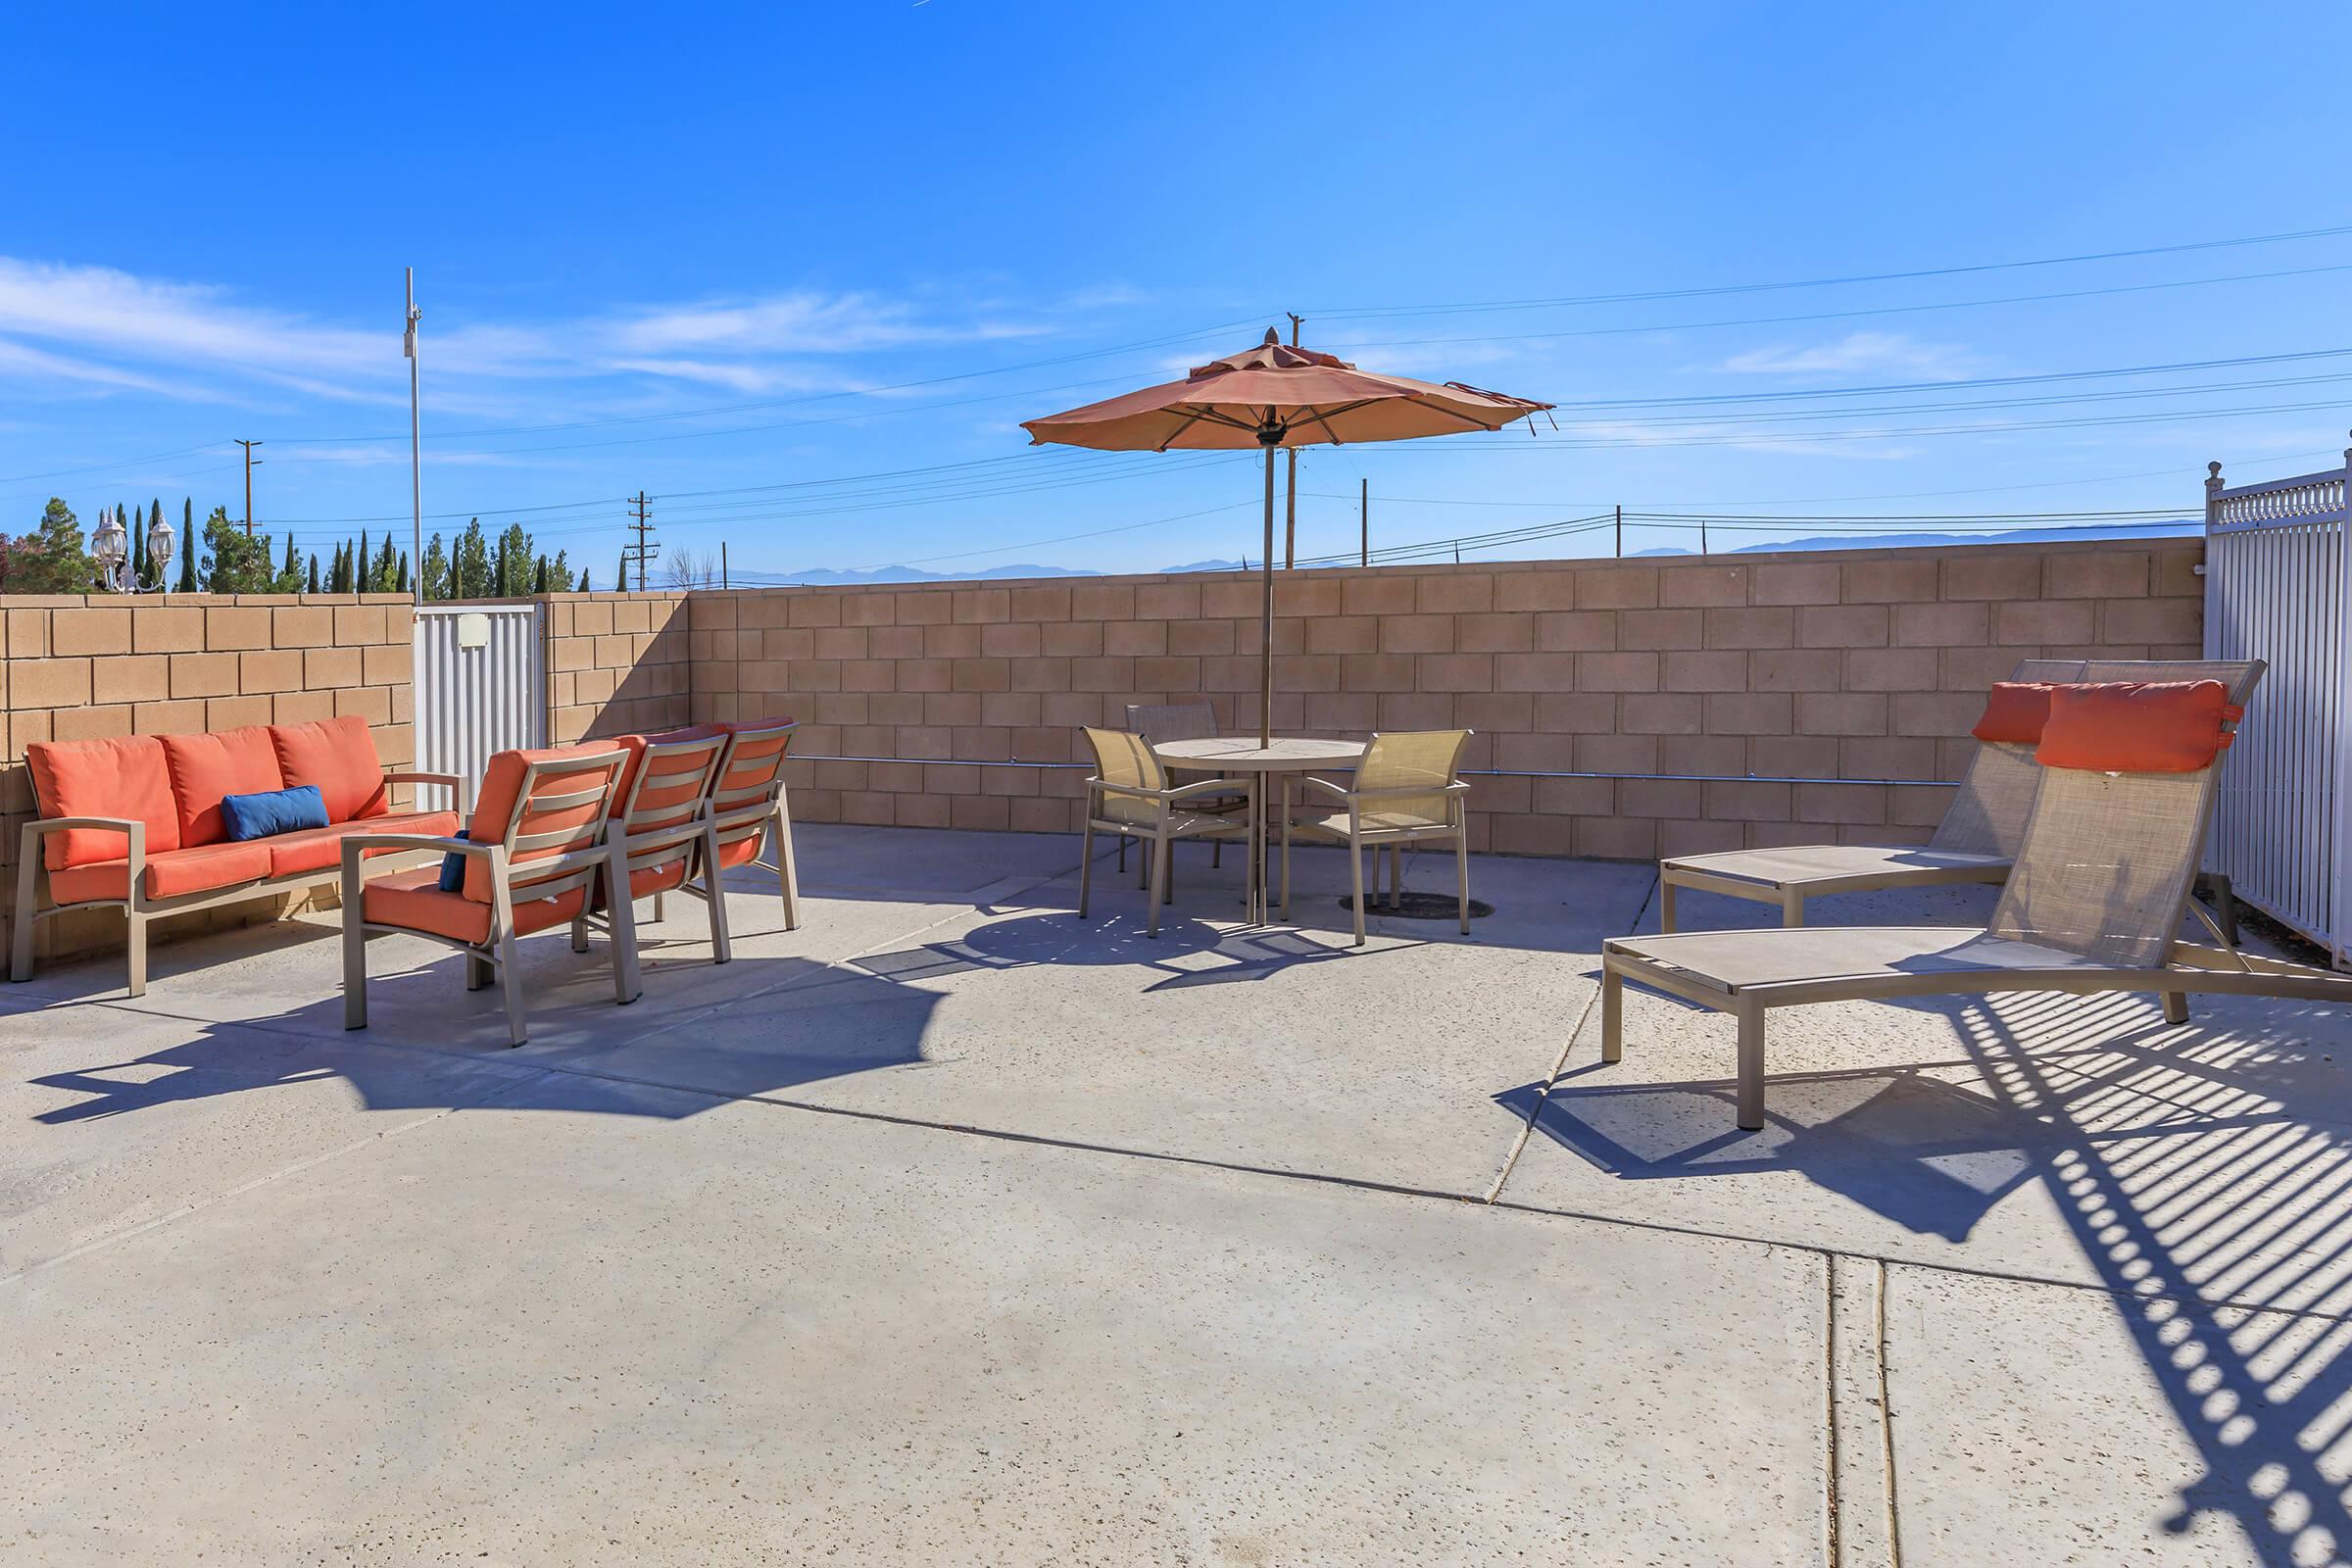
(1257, 912)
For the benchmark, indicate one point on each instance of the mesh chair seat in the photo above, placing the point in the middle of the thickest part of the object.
(1865, 864)
(1335, 824)
(1737, 960)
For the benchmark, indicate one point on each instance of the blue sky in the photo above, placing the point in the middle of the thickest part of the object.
(741, 259)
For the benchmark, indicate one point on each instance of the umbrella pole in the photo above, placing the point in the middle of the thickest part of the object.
(1265, 651)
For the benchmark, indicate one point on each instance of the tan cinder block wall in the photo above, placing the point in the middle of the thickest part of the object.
(1741, 673)
(616, 665)
(84, 666)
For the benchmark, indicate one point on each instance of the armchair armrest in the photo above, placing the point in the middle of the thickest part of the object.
(456, 784)
(1403, 791)
(1135, 790)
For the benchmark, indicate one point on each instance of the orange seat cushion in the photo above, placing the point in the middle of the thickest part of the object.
(652, 879)
(198, 868)
(413, 901)
(634, 744)
(126, 777)
(2171, 727)
(502, 784)
(338, 754)
(743, 851)
(321, 849)
(2015, 711)
(205, 768)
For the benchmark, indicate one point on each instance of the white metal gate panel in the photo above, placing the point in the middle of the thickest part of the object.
(480, 685)
(2275, 564)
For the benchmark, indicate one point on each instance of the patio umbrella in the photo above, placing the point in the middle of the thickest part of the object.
(1276, 395)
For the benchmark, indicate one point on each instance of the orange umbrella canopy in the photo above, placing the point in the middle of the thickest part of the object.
(1276, 395)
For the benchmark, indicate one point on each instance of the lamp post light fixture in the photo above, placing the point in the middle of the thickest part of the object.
(110, 546)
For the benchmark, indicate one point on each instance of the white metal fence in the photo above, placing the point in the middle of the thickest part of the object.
(2276, 588)
(480, 685)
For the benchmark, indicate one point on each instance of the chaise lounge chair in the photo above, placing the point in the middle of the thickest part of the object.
(1978, 838)
(2093, 903)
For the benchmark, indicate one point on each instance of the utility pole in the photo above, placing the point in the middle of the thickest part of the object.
(1363, 511)
(643, 523)
(408, 346)
(1702, 536)
(1621, 531)
(250, 460)
(1290, 513)
(724, 583)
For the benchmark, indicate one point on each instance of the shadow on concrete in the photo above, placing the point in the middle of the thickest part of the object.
(429, 1010)
(1932, 1158)
(2257, 1209)
(1186, 952)
(2193, 1165)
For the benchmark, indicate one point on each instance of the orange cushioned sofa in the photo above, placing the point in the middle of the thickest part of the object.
(135, 823)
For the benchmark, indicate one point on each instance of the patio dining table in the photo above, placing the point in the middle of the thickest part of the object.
(1244, 756)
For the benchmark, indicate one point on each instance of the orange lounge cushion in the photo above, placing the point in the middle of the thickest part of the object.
(321, 849)
(413, 901)
(2015, 711)
(338, 754)
(205, 768)
(198, 868)
(2171, 727)
(125, 777)
(502, 783)
(634, 744)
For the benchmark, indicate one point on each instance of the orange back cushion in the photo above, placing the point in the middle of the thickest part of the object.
(124, 777)
(673, 785)
(338, 754)
(501, 788)
(2015, 711)
(753, 761)
(2171, 727)
(205, 768)
(634, 744)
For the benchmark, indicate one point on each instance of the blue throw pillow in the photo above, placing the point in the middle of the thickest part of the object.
(453, 868)
(257, 816)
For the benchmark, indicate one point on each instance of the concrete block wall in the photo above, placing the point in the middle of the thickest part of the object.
(86, 666)
(1782, 688)
(616, 663)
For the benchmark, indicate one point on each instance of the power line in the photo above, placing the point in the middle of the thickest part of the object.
(1842, 316)
(1462, 308)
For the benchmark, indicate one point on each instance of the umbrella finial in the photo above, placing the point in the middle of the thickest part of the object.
(1272, 336)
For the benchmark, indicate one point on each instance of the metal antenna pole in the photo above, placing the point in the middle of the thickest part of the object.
(408, 346)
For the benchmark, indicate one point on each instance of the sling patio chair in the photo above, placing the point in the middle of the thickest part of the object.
(748, 813)
(1158, 722)
(2093, 903)
(1978, 838)
(530, 859)
(661, 819)
(1130, 794)
(1407, 791)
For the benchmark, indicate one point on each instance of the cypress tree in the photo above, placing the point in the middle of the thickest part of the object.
(188, 545)
(313, 587)
(401, 586)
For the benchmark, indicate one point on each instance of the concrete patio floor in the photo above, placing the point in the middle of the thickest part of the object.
(952, 1229)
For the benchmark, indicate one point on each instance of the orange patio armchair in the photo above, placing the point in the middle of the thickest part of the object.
(536, 846)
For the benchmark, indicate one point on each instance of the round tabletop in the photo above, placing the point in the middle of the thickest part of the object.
(1230, 754)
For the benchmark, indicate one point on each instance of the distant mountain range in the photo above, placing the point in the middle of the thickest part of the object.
(819, 578)
(1896, 541)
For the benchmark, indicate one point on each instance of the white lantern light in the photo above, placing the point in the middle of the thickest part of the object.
(158, 545)
(109, 543)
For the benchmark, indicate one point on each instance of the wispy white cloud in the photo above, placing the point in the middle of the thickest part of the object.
(104, 326)
(1860, 353)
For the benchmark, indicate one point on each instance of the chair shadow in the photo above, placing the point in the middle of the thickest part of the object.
(432, 1045)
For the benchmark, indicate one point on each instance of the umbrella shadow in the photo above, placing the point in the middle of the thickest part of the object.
(1186, 952)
